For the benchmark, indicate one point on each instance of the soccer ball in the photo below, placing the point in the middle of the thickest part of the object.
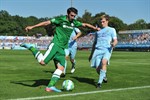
(68, 85)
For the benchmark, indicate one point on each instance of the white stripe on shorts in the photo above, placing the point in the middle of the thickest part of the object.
(49, 50)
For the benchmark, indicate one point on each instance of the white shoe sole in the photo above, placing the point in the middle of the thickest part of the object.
(72, 71)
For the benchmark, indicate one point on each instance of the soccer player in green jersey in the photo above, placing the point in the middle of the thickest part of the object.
(55, 51)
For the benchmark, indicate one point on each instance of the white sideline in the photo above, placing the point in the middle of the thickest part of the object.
(132, 62)
(80, 93)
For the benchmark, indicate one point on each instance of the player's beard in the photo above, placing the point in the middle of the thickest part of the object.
(70, 20)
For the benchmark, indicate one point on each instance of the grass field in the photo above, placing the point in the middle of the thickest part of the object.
(22, 77)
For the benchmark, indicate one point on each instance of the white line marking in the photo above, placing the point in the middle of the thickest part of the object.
(131, 62)
(81, 93)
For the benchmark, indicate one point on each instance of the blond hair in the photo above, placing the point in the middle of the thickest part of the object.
(105, 16)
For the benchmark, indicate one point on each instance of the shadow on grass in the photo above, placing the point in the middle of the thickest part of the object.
(45, 71)
(85, 80)
(36, 83)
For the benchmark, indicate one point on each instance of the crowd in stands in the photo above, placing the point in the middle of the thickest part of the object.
(13, 42)
(135, 40)
(85, 41)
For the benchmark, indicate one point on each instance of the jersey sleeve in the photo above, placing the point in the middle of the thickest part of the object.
(114, 34)
(55, 20)
(77, 30)
(77, 23)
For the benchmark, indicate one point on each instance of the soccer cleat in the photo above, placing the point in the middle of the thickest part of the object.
(62, 75)
(51, 89)
(99, 85)
(72, 70)
(105, 80)
(28, 46)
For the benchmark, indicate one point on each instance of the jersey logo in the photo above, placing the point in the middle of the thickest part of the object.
(106, 33)
(72, 24)
(65, 26)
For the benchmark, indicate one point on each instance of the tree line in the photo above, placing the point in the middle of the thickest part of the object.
(14, 25)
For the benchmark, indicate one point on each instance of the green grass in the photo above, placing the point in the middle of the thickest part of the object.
(21, 76)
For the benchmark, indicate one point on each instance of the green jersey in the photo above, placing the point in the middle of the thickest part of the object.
(63, 30)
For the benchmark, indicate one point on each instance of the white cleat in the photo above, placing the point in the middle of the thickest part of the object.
(72, 70)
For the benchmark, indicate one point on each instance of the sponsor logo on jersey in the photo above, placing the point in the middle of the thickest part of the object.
(65, 26)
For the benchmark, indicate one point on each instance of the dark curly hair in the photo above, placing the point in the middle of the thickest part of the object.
(72, 9)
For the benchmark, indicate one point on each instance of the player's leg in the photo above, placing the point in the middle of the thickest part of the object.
(66, 58)
(105, 60)
(98, 68)
(105, 79)
(65, 67)
(102, 73)
(55, 63)
(107, 56)
(42, 59)
(72, 58)
(36, 53)
(60, 57)
(55, 77)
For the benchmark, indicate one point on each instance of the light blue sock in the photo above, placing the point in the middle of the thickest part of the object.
(101, 76)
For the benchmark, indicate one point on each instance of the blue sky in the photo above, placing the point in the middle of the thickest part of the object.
(127, 10)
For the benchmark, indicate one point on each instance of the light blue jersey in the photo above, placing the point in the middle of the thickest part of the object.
(73, 43)
(72, 47)
(104, 37)
(103, 49)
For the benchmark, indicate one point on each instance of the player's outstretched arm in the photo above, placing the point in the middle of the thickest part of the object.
(90, 26)
(77, 36)
(45, 23)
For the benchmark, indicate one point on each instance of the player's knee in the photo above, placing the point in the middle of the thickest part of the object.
(61, 67)
(67, 57)
(104, 62)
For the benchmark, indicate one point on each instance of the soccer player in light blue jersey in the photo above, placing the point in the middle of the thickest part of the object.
(72, 47)
(105, 41)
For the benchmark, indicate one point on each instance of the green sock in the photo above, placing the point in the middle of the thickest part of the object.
(33, 50)
(53, 81)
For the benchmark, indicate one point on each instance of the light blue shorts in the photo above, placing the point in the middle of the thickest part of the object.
(71, 52)
(99, 55)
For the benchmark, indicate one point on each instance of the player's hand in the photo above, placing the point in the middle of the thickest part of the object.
(112, 45)
(98, 29)
(74, 38)
(28, 28)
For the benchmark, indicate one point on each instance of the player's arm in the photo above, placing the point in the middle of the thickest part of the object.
(45, 23)
(114, 43)
(90, 26)
(78, 35)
